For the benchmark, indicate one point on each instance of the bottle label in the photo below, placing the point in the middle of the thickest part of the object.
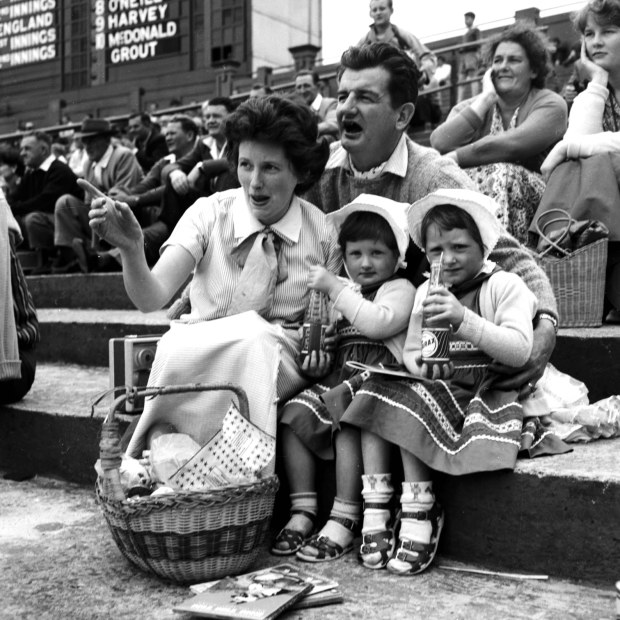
(436, 344)
(312, 338)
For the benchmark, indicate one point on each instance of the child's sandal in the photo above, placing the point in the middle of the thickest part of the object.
(326, 549)
(414, 557)
(382, 543)
(293, 539)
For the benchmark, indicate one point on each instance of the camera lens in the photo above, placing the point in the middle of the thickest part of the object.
(144, 357)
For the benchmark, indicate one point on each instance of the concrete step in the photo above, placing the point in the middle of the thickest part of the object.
(82, 336)
(95, 290)
(556, 515)
(61, 562)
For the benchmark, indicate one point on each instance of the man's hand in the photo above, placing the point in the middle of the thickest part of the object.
(194, 178)
(524, 379)
(179, 182)
(317, 364)
(434, 371)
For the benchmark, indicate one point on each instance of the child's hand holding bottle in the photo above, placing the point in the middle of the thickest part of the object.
(320, 279)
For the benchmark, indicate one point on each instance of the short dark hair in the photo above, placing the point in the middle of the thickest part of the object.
(313, 74)
(470, 14)
(533, 44)
(605, 12)
(448, 217)
(284, 123)
(41, 136)
(187, 124)
(227, 102)
(362, 225)
(404, 74)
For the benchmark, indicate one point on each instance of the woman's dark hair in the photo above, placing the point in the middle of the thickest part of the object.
(604, 12)
(448, 217)
(362, 225)
(278, 120)
(404, 74)
(11, 157)
(534, 45)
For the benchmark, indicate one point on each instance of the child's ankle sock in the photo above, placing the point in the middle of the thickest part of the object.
(377, 490)
(300, 522)
(337, 532)
(417, 496)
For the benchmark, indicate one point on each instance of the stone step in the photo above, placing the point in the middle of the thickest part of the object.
(82, 336)
(556, 515)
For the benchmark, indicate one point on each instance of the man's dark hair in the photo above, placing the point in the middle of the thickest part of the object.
(223, 101)
(470, 14)
(280, 121)
(41, 136)
(362, 225)
(187, 124)
(145, 118)
(404, 74)
(448, 217)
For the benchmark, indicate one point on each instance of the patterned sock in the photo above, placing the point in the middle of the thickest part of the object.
(300, 522)
(337, 532)
(376, 489)
(416, 496)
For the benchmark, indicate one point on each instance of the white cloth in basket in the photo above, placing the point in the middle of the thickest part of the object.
(243, 349)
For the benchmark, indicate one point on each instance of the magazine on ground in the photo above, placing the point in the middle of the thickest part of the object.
(259, 595)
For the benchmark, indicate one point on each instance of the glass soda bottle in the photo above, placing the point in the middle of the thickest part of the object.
(315, 323)
(435, 337)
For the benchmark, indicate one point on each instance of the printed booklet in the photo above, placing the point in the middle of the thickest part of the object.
(259, 595)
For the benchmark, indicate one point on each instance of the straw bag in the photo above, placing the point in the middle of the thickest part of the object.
(187, 536)
(578, 277)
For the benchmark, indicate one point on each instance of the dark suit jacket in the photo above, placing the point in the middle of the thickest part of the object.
(151, 151)
(39, 189)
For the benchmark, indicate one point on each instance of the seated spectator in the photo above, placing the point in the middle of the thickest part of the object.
(59, 151)
(187, 180)
(181, 137)
(502, 136)
(19, 326)
(11, 171)
(46, 179)
(149, 143)
(594, 116)
(109, 166)
(307, 85)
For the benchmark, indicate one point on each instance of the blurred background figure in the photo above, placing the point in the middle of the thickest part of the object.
(148, 142)
(307, 85)
(11, 171)
(260, 90)
(469, 59)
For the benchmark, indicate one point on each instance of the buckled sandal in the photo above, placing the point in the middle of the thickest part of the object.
(326, 549)
(414, 557)
(382, 543)
(292, 538)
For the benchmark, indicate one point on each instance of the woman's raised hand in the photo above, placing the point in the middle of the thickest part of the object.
(597, 74)
(114, 222)
(488, 87)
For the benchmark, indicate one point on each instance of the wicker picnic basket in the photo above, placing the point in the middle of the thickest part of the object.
(577, 278)
(184, 537)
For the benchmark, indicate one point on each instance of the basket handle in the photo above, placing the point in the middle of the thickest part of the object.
(542, 228)
(110, 445)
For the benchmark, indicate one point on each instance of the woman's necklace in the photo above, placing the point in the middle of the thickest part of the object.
(614, 107)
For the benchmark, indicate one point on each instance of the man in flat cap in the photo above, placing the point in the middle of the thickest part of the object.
(109, 166)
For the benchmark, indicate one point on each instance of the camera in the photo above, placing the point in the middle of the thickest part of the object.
(131, 359)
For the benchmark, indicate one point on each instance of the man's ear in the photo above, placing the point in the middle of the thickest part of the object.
(405, 114)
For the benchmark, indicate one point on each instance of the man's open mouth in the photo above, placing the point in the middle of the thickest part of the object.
(351, 127)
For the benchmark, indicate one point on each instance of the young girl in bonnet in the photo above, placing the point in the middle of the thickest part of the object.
(375, 305)
(449, 418)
